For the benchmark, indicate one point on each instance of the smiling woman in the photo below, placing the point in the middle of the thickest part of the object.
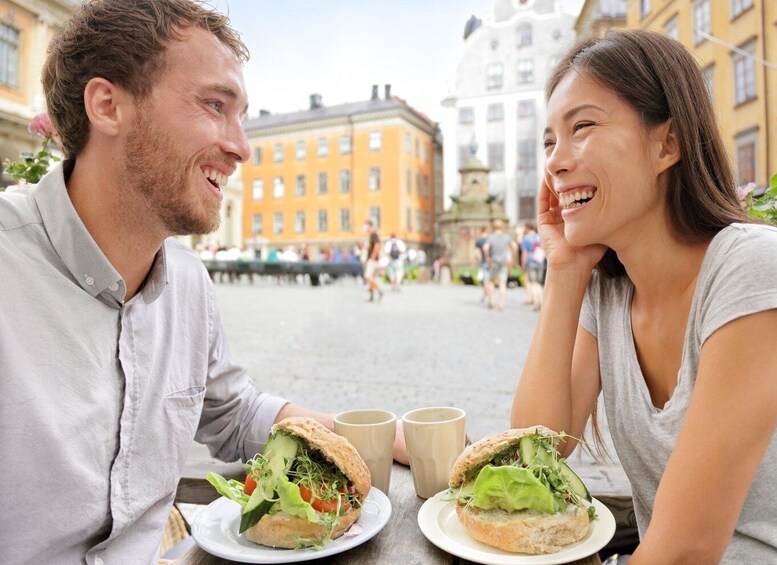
(657, 281)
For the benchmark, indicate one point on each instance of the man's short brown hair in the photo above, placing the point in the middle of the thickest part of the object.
(124, 42)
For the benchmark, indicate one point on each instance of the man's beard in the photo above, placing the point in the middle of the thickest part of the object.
(157, 172)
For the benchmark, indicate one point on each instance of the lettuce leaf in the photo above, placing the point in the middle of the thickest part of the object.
(292, 503)
(511, 489)
(232, 489)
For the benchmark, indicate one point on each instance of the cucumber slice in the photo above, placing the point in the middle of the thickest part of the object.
(280, 451)
(578, 487)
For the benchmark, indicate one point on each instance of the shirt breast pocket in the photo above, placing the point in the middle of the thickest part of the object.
(182, 410)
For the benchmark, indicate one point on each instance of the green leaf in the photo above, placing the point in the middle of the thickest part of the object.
(511, 489)
(232, 489)
(292, 503)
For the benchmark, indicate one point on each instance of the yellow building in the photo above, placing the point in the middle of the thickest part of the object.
(735, 44)
(597, 16)
(316, 175)
(26, 27)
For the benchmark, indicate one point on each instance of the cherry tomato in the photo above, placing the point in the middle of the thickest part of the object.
(317, 504)
(250, 485)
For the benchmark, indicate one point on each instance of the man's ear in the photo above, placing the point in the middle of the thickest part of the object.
(668, 145)
(104, 103)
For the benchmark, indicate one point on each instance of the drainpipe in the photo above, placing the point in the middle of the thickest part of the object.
(766, 90)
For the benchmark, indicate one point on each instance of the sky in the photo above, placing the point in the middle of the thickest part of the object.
(340, 48)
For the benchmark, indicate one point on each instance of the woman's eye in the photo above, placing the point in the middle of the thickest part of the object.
(547, 143)
(582, 125)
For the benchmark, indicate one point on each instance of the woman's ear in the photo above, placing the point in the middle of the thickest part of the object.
(104, 105)
(667, 145)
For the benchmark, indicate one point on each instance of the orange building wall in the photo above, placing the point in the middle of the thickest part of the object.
(392, 198)
(23, 21)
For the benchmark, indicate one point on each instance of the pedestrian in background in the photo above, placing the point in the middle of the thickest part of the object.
(371, 263)
(533, 265)
(499, 249)
(480, 243)
(395, 250)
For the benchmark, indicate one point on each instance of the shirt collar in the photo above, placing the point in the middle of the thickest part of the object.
(75, 246)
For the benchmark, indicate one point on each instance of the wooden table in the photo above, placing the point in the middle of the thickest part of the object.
(401, 541)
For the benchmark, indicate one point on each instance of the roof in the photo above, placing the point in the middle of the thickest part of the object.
(332, 112)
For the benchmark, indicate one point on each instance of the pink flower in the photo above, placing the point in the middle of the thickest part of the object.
(744, 191)
(41, 126)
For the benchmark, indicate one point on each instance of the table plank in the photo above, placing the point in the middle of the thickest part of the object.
(401, 541)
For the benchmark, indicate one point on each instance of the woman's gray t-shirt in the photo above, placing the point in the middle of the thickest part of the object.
(738, 277)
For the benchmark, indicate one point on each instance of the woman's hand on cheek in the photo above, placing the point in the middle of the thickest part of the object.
(550, 225)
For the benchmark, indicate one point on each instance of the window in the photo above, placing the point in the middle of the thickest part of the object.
(345, 145)
(707, 74)
(301, 151)
(744, 74)
(409, 181)
(496, 112)
(278, 188)
(418, 184)
(418, 220)
(523, 35)
(702, 20)
(299, 189)
(463, 155)
(527, 155)
(374, 215)
(323, 182)
(299, 221)
(277, 223)
(739, 6)
(257, 155)
(672, 29)
(495, 73)
(496, 156)
(466, 116)
(256, 225)
(323, 147)
(426, 185)
(525, 108)
(644, 8)
(525, 71)
(375, 141)
(409, 219)
(9, 55)
(526, 204)
(417, 148)
(322, 221)
(427, 222)
(408, 143)
(426, 152)
(374, 180)
(345, 219)
(746, 155)
(345, 181)
(257, 189)
(277, 153)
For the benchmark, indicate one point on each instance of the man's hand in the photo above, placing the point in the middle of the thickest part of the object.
(400, 447)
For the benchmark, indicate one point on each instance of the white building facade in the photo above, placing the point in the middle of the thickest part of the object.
(497, 104)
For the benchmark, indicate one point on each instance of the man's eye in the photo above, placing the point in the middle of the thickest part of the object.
(215, 104)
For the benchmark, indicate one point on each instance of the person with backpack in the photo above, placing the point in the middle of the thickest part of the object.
(533, 265)
(499, 250)
(395, 249)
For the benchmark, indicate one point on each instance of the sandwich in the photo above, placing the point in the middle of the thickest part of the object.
(306, 488)
(513, 491)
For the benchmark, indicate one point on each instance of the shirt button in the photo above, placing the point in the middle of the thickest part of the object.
(90, 281)
(98, 561)
(114, 287)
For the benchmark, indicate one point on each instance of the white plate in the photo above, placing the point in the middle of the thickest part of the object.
(215, 529)
(440, 524)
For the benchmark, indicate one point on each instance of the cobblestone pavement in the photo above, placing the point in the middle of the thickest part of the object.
(428, 345)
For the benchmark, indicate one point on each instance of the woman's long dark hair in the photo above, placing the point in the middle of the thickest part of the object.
(657, 77)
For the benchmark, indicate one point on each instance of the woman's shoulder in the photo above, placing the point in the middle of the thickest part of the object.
(746, 245)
